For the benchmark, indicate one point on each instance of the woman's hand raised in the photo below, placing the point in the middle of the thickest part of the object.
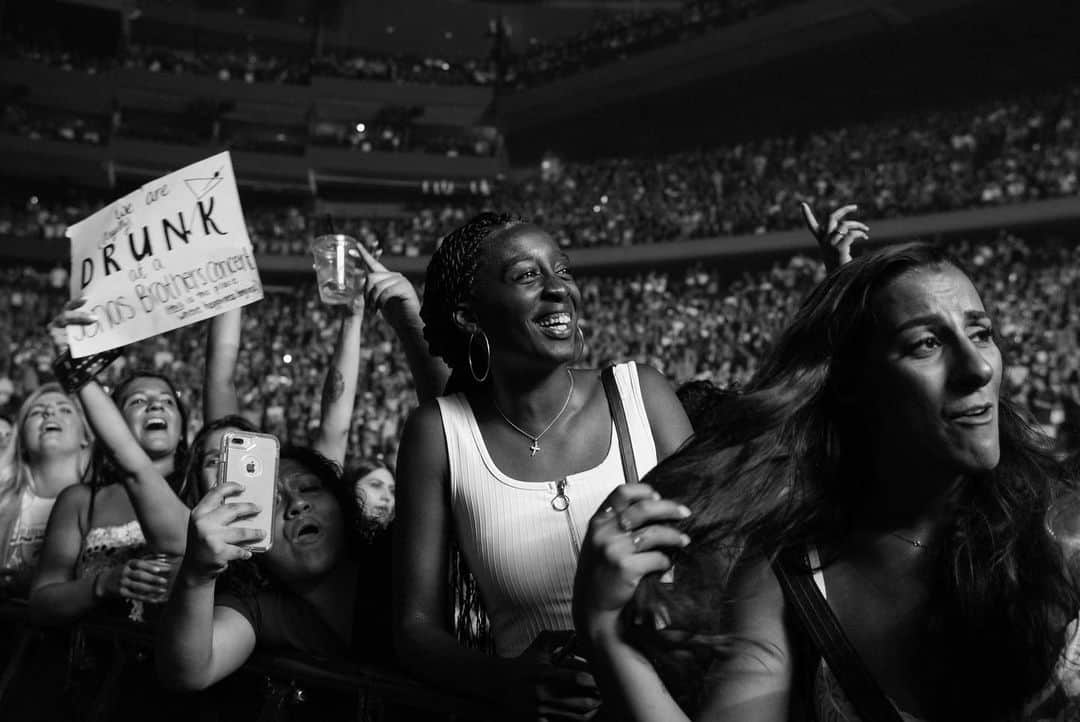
(69, 316)
(837, 235)
(390, 292)
(626, 540)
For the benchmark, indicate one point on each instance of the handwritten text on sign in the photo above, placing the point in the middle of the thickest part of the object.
(171, 254)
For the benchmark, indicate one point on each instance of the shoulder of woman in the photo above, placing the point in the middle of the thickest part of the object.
(420, 439)
(425, 417)
(652, 381)
(77, 495)
(670, 425)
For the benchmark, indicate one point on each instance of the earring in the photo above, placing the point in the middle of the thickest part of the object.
(583, 346)
(487, 352)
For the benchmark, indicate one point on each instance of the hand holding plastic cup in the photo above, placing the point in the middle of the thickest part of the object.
(167, 566)
(339, 269)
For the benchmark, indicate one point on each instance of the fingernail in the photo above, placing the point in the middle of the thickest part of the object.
(656, 496)
(247, 554)
(684, 511)
(684, 540)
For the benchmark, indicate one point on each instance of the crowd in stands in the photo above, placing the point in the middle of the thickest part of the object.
(698, 323)
(1004, 151)
(611, 38)
(258, 67)
(692, 325)
(622, 35)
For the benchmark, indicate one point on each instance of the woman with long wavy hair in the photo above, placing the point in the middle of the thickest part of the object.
(99, 532)
(872, 460)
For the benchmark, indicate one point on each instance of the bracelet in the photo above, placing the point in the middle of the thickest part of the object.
(74, 373)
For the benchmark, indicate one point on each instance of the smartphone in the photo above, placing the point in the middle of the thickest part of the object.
(251, 459)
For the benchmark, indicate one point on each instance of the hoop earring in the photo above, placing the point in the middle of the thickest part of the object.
(581, 352)
(487, 352)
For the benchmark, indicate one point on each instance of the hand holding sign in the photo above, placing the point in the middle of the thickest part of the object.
(69, 316)
(173, 253)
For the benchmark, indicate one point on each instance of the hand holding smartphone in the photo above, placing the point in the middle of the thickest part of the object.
(251, 460)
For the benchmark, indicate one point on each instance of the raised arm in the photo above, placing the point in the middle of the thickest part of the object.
(395, 298)
(339, 389)
(222, 349)
(836, 237)
(161, 514)
(199, 643)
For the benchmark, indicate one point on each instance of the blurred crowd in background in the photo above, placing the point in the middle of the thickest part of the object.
(1009, 150)
(704, 322)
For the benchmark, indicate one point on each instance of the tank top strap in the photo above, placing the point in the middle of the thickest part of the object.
(461, 451)
(637, 420)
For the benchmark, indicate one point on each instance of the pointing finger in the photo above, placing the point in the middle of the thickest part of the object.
(808, 216)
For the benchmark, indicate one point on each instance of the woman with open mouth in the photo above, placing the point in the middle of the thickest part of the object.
(301, 596)
(116, 539)
(49, 452)
(863, 536)
(508, 465)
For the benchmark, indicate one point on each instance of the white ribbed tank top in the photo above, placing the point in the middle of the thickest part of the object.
(522, 551)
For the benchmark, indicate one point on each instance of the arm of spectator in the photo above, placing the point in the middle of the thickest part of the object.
(424, 644)
(57, 596)
(339, 389)
(199, 643)
(749, 682)
(161, 514)
(753, 682)
(395, 298)
(667, 418)
(838, 234)
(222, 349)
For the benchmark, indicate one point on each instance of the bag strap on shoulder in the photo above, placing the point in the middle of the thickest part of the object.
(817, 619)
(618, 414)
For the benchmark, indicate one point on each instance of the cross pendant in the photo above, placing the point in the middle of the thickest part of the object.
(534, 448)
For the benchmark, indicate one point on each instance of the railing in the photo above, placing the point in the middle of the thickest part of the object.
(287, 679)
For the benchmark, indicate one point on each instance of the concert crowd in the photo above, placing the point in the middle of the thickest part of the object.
(1009, 150)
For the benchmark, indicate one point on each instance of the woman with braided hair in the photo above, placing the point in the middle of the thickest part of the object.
(509, 464)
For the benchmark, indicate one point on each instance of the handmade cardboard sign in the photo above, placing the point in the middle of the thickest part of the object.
(172, 253)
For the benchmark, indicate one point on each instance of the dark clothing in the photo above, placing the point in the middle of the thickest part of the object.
(286, 622)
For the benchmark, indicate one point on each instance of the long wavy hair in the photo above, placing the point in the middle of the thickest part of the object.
(780, 470)
(15, 474)
(108, 471)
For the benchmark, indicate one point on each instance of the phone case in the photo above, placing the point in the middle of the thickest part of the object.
(251, 459)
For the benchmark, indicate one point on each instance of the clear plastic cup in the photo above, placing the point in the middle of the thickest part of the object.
(339, 269)
(168, 565)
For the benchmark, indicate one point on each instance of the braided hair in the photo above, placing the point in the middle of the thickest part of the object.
(448, 283)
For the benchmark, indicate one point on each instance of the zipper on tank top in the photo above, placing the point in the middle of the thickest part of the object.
(561, 503)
